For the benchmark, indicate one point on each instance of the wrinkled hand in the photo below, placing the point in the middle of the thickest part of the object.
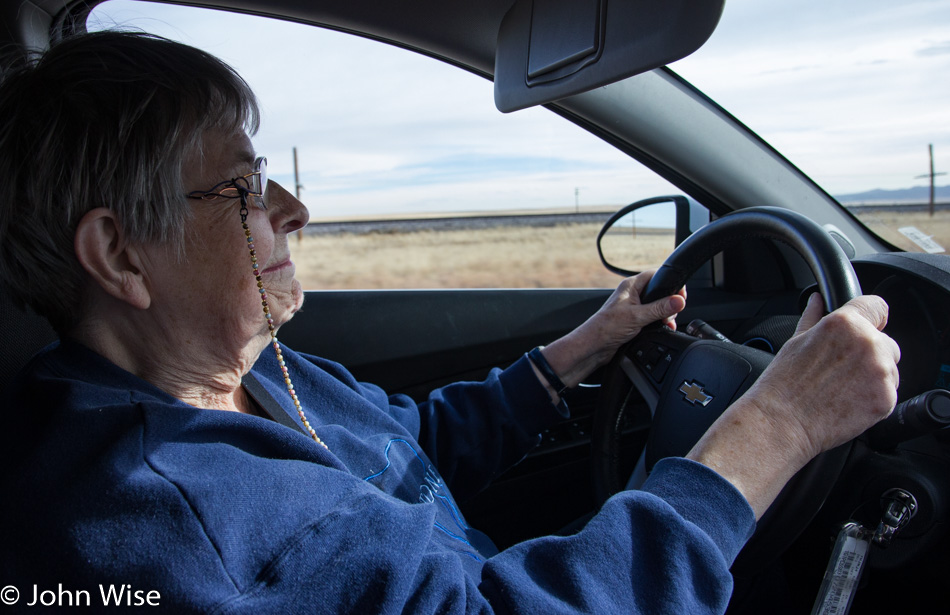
(834, 379)
(621, 318)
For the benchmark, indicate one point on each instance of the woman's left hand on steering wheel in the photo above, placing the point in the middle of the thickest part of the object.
(594, 343)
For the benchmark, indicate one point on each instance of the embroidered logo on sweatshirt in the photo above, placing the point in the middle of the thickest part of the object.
(409, 476)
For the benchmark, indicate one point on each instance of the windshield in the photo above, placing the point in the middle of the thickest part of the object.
(853, 92)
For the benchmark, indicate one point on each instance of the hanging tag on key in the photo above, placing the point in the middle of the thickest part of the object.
(844, 570)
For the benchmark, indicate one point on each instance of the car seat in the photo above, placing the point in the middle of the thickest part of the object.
(24, 333)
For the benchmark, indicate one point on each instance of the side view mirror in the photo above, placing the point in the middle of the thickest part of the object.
(641, 235)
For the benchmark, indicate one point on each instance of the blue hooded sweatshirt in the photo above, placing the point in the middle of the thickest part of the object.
(118, 494)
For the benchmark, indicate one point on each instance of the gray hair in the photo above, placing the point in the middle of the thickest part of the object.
(105, 119)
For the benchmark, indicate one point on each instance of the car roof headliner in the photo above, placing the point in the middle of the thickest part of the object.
(461, 32)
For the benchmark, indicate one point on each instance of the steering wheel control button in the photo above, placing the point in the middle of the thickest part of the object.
(652, 356)
(693, 393)
(662, 366)
(655, 359)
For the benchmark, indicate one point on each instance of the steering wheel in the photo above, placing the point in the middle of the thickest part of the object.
(687, 382)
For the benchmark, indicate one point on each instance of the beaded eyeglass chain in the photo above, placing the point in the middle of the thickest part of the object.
(255, 269)
(241, 188)
(270, 323)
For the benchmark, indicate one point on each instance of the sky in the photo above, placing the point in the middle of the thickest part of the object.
(851, 91)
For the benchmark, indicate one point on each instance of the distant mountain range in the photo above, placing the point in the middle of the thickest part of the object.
(920, 194)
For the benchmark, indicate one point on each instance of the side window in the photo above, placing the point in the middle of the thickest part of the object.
(412, 178)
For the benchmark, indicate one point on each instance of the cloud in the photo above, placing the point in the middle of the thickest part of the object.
(935, 49)
(847, 90)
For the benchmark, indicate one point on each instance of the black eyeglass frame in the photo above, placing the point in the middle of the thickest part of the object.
(243, 186)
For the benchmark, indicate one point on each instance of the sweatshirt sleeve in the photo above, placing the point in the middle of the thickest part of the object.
(473, 431)
(665, 549)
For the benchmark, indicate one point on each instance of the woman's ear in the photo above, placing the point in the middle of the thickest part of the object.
(107, 256)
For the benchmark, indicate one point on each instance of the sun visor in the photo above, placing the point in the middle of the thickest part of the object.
(550, 49)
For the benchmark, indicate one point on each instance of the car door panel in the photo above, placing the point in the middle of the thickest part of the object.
(414, 340)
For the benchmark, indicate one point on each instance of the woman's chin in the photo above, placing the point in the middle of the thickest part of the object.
(283, 305)
(296, 293)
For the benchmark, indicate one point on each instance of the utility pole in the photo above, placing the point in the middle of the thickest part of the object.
(931, 175)
(297, 187)
(577, 200)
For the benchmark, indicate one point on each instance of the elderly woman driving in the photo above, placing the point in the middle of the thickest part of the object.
(168, 444)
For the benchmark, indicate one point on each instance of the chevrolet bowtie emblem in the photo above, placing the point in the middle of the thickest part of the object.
(694, 394)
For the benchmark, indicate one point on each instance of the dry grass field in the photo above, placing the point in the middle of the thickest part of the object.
(886, 222)
(562, 256)
(501, 257)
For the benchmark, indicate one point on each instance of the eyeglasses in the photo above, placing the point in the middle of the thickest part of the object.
(253, 184)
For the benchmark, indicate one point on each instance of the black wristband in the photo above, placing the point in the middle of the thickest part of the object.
(537, 358)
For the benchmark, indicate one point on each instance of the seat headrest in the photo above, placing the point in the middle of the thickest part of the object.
(22, 335)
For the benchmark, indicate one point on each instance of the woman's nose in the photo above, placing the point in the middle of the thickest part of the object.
(287, 214)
